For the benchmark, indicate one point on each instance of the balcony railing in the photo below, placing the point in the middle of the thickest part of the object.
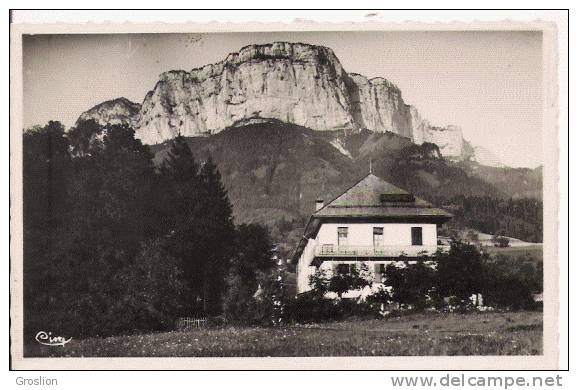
(374, 251)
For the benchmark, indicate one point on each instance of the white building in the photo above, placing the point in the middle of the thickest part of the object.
(374, 223)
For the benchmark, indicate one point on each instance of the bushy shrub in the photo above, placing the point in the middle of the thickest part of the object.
(315, 306)
(460, 271)
(310, 307)
(355, 279)
(378, 300)
(271, 299)
(457, 305)
(141, 294)
(156, 289)
(411, 284)
(238, 300)
(323, 282)
(319, 283)
(508, 292)
(505, 290)
(527, 267)
(501, 241)
(249, 286)
(264, 305)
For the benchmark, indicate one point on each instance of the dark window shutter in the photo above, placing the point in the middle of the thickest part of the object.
(416, 236)
(377, 273)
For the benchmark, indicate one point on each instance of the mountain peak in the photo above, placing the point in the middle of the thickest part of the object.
(295, 51)
(291, 82)
(116, 111)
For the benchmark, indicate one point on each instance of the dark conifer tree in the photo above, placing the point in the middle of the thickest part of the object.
(181, 205)
(199, 221)
(218, 235)
(125, 176)
(46, 167)
(180, 165)
(84, 137)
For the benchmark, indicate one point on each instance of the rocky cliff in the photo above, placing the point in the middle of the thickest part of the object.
(292, 82)
(117, 111)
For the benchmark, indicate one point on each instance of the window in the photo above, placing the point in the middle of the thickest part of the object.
(416, 236)
(344, 269)
(379, 273)
(378, 236)
(396, 198)
(342, 236)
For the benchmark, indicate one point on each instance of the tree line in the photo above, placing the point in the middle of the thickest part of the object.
(446, 281)
(519, 218)
(114, 244)
(478, 203)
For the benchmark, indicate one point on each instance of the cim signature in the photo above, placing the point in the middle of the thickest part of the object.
(47, 339)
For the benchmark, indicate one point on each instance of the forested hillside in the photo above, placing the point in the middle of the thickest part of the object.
(274, 172)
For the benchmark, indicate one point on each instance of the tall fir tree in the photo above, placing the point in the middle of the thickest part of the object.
(125, 173)
(218, 235)
(180, 165)
(200, 225)
(181, 204)
(46, 169)
(85, 137)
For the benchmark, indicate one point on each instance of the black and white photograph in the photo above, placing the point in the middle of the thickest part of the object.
(285, 194)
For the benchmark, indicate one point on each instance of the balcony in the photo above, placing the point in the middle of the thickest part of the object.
(373, 251)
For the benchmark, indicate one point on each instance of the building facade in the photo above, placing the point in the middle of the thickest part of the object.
(373, 223)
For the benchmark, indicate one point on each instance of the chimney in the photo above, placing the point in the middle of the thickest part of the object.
(318, 204)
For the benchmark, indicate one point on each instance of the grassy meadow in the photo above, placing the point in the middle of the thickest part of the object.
(512, 333)
(514, 252)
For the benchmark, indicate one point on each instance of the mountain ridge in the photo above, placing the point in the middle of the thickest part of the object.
(115, 111)
(275, 171)
(293, 82)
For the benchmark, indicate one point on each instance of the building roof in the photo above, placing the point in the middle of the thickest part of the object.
(374, 197)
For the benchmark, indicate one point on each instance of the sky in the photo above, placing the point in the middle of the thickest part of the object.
(489, 83)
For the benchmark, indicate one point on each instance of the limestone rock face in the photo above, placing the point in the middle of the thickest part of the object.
(292, 82)
(114, 112)
(377, 105)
